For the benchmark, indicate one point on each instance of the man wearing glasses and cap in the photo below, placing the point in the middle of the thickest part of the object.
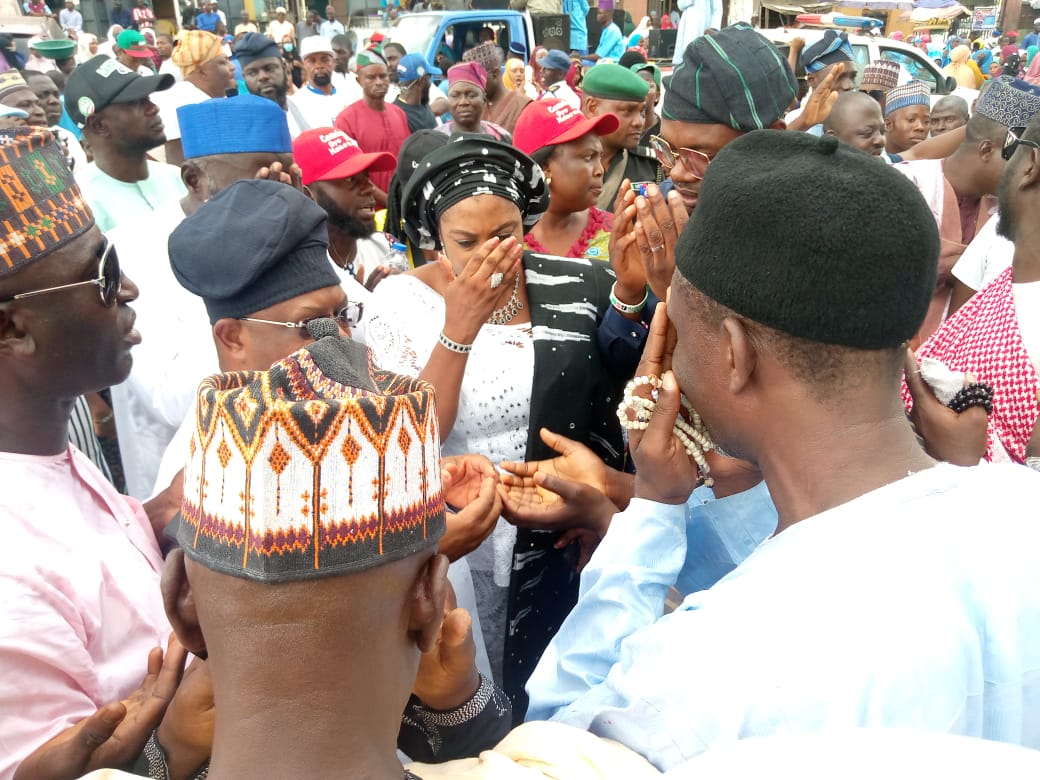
(77, 633)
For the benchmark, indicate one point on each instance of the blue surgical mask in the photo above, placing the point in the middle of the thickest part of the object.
(288, 46)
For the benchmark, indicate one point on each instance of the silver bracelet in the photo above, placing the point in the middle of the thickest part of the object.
(454, 346)
(1033, 462)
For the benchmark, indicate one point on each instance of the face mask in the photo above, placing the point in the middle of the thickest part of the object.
(288, 47)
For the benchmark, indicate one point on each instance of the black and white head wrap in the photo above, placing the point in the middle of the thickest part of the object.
(470, 165)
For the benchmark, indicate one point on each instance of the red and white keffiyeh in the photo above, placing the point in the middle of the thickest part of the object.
(983, 338)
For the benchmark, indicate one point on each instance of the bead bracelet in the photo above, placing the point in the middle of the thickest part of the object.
(634, 413)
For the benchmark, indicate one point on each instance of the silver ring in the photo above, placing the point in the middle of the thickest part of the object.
(658, 248)
(496, 280)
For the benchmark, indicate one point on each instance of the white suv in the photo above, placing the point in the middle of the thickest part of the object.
(867, 48)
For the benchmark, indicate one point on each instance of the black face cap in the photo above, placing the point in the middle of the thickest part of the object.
(101, 81)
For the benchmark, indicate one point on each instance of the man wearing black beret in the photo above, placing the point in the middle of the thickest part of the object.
(895, 591)
(266, 74)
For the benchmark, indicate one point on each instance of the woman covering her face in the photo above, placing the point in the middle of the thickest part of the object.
(509, 339)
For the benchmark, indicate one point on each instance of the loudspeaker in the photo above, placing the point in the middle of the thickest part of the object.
(662, 44)
(553, 31)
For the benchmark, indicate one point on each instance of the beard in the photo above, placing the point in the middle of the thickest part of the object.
(322, 79)
(347, 223)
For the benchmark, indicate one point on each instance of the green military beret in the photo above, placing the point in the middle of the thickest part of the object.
(614, 82)
(639, 67)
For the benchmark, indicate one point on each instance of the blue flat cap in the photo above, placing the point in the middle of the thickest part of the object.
(245, 123)
(555, 59)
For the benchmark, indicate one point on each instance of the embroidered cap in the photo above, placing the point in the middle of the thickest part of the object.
(322, 465)
(1009, 101)
(41, 208)
(913, 93)
(880, 74)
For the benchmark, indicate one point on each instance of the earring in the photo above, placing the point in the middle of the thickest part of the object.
(548, 180)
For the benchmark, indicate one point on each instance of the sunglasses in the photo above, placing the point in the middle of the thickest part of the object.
(347, 317)
(108, 280)
(693, 161)
(1013, 140)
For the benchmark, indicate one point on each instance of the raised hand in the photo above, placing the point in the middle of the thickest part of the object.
(664, 471)
(625, 258)
(115, 735)
(448, 676)
(469, 298)
(659, 223)
(818, 107)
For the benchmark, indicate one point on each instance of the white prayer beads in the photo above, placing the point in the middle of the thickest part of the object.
(634, 413)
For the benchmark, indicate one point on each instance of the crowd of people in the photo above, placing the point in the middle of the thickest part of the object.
(565, 417)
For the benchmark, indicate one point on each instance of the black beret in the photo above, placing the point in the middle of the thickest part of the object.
(254, 46)
(734, 77)
(255, 244)
(833, 246)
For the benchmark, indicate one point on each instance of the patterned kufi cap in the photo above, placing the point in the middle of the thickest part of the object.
(41, 207)
(1009, 101)
(883, 74)
(322, 465)
(912, 93)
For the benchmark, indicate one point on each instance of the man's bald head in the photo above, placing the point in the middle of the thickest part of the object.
(856, 120)
(949, 113)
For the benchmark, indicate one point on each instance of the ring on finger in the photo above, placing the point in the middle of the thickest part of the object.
(658, 248)
(667, 225)
(496, 280)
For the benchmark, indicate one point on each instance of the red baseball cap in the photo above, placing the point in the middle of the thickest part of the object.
(547, 122)
(326, 154)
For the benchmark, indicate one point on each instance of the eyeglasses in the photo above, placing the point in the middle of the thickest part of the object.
(1013, 140)
(347, 317)
(109, 278)
(693, 161)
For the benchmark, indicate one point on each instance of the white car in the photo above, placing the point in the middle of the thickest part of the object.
(867, 48)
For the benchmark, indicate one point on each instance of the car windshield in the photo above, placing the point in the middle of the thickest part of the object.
(415, 32)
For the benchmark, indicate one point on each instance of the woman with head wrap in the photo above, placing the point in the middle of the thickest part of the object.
(86, 47)
(418, 145)
(106, 46)
(566, 145)
(508, 338)
(640, 36)
(466, 102)
(960, 68)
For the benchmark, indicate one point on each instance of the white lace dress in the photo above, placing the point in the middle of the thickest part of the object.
(403, 320)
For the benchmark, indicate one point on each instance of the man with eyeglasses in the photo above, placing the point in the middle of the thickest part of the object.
(995, 336)
(728, 84)
(335, 175)
(76, 634)
(178, 348)
(961, 189)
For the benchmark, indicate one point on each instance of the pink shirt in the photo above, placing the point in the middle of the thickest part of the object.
(80, 593)
(375, 131)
